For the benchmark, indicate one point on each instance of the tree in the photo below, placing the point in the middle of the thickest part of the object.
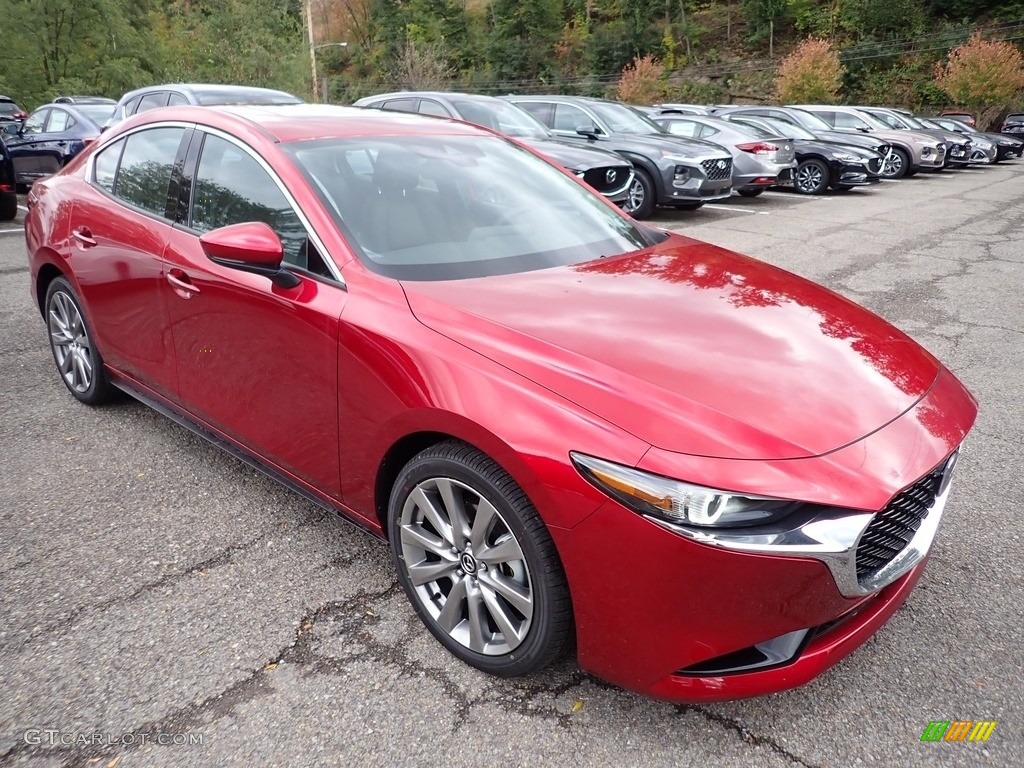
(642, 82)
(984, 75)
(811, 73)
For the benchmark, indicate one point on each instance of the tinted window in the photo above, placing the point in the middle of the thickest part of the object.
(569, 118)
(36, 121)
(539, 109)
(105, 165)
(152, 101)
(400, 105)
(60, 121)
(232, 188)
(846, 120)
(145, 171)
(98, 113)
(428, 107)
(177, 100)
(132, 106)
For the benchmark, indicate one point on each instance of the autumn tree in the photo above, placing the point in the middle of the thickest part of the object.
(811, 73)
(982, 75)
(643, 81)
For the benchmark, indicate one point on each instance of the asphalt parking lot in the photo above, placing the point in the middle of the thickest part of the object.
(151, 584)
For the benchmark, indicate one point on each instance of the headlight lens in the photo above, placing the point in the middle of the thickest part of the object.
(677, 502)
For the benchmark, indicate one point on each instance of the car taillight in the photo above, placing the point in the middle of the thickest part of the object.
(758, 148)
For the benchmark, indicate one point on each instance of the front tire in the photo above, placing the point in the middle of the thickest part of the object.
(812, 177)
(73, 346)
(896, 164)
(477, 562)
(641, 198)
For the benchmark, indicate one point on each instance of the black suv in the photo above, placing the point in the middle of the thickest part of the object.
(8, 189)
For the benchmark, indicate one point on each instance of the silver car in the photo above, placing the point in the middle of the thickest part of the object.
(759, 159)
(958, 147)
(911, 151)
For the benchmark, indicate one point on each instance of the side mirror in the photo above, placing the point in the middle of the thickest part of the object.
(249, 247)
(863, 129)
(589, 130)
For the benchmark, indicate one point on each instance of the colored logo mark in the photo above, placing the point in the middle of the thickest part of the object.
(958, 730)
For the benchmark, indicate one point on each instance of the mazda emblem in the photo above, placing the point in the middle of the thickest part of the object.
(610, 175)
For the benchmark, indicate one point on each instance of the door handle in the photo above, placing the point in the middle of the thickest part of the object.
(84, 237)
(181, 284)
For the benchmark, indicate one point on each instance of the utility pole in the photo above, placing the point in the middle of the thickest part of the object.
(312, 49)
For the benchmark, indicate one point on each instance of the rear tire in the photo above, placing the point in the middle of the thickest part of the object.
(477, 563)
(73, 346)
(750, 192)
(8, 207)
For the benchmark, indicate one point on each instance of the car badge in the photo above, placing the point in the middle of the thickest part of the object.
(609, 175)
(721, 164)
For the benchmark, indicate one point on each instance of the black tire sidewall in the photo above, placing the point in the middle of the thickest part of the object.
(532, 653)
(99, 388)
(650, 194)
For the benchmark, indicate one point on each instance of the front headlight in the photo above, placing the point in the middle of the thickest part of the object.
(677, 502)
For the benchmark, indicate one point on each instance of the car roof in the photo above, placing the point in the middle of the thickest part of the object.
(431, 95)
(208, 90)
(299, 122)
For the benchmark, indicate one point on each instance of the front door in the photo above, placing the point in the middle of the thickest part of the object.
(256, 361)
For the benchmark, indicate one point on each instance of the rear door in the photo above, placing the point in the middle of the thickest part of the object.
(256, 361)
(31, 151)
(120, 225)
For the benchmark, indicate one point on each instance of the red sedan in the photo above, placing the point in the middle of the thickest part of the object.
(713, 476)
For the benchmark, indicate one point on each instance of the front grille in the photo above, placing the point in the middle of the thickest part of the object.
(717, 170)
(894, 527)
(875, 165)
(607, 178)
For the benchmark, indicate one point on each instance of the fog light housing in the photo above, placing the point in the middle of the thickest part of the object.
(680, 176)
(926, 152)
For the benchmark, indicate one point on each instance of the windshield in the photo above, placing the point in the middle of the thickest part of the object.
(98, 113)
(809, 120)
(913, 122)
(8, 108)
(622, 119)
(501, 116)
(871, 120)
(453, 207)
(788, 130)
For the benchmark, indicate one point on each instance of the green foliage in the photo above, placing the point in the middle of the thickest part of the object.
(521, 37)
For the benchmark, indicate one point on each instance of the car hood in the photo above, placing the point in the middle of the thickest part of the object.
(834, 147)
(692, 348)
(656, 142)
(856, 139)
(576, 157)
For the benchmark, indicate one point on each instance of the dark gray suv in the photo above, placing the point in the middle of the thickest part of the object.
(668, 170)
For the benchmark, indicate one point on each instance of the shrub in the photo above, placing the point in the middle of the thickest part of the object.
(811, 73)
(984, 75)
(642, 82)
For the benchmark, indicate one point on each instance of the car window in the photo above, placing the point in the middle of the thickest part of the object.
(132, 106)
(846, 120)
(231, 187)
(177, 100)
(152, 101)
(707, 130)
(569, 118)
(428, 107)
(35, 122)
(105, 165)
(400, 105)
(686, 128)
(60, 121)
(539, 109)
(145, 170)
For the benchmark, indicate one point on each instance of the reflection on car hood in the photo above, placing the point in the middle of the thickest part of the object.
(576, 157)
(677, 145)
(692, 348)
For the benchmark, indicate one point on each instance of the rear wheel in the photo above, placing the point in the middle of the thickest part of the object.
(812, 177)
(640, 199)
(73, 346)
(477, 562)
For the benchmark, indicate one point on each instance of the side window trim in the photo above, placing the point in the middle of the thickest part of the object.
(201, 132)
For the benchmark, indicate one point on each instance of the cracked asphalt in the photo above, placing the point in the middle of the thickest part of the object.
(151, 584)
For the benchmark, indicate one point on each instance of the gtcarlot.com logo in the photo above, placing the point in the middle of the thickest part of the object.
(958, 730)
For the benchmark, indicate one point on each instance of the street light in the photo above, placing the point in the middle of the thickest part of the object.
(313, 48)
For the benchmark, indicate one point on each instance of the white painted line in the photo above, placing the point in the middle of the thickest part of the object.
(738, 209)
(22, 207)
(12, 231)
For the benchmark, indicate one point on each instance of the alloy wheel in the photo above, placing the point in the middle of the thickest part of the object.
(635, 197)
(809, 178)
(892, 164)
(466, 567)
(72, 348)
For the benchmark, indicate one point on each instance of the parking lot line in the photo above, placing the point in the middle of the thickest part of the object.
(23, 208)
(9, 231)
(719, 207)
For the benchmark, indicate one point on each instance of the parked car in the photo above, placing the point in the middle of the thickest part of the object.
(8, 185)
(85, 100)
(963, 117)
(994, 147)
(821, 165)
(9, 111)
(685, 109)
(1013, 125)
(712, 477)
(203, 94)
(911, 151)
(666, 170)
(605, 171)
(52, 135)
(821, 130)
(759, 160)
(959, 149)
